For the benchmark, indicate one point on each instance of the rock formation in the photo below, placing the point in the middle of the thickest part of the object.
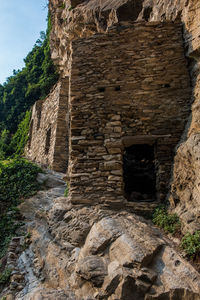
(79, 252)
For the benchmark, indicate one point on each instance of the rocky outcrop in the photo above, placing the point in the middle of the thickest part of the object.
(77, 252)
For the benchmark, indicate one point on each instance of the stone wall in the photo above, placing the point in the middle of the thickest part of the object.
(129, 86)
(48, 137)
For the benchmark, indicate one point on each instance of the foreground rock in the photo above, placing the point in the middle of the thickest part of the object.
(94, 253)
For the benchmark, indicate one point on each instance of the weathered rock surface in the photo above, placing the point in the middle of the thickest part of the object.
(79, 252)
(185, 198)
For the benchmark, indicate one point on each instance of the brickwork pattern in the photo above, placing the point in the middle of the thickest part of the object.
(49, 118)
(128, 86)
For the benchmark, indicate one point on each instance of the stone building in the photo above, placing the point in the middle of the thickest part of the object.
(48, 136)
(117, 119)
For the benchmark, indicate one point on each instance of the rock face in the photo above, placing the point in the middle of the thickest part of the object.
(185, 200)
(79, 252)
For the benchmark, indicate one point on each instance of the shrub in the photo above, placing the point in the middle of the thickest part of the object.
(20, 138)
(169, 222)
(191, 243)
(4, 144)
(17, 180)
(5, 276)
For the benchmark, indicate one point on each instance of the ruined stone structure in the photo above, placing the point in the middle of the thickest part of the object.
(48, 136)
(129, 86)
(129, 99)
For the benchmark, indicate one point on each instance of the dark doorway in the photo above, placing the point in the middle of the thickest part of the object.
(48, 141)
(139, 173)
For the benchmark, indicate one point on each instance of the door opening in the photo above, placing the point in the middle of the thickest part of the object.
(139, 173)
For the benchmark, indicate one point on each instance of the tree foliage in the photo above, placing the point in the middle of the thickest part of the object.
(20, 137)
(18, 180)
(22, 90)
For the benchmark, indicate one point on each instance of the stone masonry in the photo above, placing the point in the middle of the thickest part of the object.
(48, 137)
(129, 86)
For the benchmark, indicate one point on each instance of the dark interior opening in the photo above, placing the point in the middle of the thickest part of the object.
(146, 13)
(39, 114)
(117, 88)
(167, 85)
(48, 141)
(139, 173)
(101, 89)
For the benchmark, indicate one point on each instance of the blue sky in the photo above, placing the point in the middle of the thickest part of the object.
(20, 24)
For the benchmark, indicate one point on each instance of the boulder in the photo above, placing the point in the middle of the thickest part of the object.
(92, 268)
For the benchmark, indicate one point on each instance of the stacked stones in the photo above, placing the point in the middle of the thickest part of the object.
(129, 86)
(132, 81)
(49, 117)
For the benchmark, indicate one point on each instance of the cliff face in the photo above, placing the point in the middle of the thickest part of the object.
(74, 19)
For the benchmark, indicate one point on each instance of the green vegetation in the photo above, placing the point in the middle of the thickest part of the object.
(4, 144)
(5, 276)
(191, 244)
(21, 91)
(169, 222)
(17, 181)
(8, 225)
(20, 137)
(66, 192)
(12, 147)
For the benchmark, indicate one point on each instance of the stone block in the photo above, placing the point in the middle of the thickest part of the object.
(112, 165)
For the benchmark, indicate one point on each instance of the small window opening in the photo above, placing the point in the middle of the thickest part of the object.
(146, 13)
(117, 88)
(139, 173)
(38, 119)
(167, 85)
(101, 89)
(48, 141)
